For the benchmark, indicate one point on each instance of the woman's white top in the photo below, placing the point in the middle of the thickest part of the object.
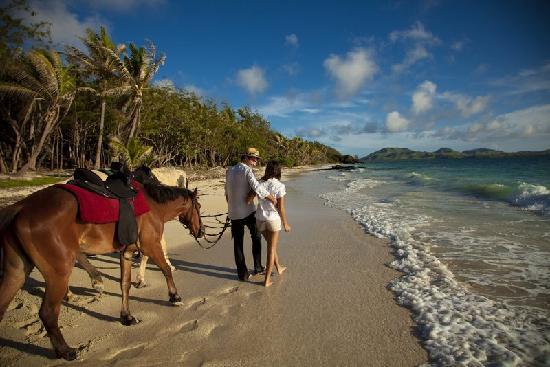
(266, 210)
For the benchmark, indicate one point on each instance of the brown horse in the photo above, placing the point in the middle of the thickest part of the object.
(44, 230)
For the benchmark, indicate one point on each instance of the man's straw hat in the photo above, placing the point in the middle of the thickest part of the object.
(252, 152)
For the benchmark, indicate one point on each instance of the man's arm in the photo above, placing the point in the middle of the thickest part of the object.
(255, 185)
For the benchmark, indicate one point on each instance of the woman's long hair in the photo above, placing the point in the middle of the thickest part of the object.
(272, 170)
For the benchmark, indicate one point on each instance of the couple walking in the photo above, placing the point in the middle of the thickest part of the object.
(268, 218)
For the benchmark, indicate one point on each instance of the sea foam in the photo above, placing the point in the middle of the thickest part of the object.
(456, 326)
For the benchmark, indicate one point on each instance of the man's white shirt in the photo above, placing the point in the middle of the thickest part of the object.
(239, 179)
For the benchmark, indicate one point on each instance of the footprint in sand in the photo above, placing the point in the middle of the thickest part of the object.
(196, 303)
(125, 353)
(188, 326)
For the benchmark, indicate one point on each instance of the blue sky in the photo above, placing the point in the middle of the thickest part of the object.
(356, 75)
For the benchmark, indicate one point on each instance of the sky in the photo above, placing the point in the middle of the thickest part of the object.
(355, 75)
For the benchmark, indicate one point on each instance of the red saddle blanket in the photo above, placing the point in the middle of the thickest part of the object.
(94, 208)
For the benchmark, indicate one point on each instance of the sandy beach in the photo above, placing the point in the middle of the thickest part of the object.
(330, 308)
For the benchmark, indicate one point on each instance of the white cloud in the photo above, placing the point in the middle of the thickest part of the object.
(467, 106)
(529, 123)
(417, 39)
(351, 72)
(419, 52)
(526, 81)
(292, 40)
(282, 106)
(395, 122)
(252, 79)
(416, 33)
(66, 26)
(291, 68)
(423, 97)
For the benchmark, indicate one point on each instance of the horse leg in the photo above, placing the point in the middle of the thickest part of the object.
(16, 268)
(140, 279)
(56, 288)
(125, 281)
(158, 258)
(165, 252)
(95, 275)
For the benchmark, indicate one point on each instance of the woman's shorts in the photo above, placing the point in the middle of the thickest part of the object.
(269, 225)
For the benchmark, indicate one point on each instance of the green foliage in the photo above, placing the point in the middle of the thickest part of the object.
(133, 154)
(36, 181)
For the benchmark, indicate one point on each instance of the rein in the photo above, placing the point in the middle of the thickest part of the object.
(224, 226)
(219, 235)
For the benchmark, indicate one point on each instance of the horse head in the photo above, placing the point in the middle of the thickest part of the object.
(191, 218)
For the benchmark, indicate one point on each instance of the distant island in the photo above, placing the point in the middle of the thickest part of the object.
(395, 154)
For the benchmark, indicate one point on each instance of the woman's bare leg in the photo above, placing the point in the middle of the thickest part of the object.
(272, 239)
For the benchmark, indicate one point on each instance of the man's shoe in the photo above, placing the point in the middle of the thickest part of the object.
(260, 271)
(245, 277)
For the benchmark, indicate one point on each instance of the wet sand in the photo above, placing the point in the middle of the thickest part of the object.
(330, 308)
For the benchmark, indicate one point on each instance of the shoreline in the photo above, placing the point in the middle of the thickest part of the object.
(330, 308)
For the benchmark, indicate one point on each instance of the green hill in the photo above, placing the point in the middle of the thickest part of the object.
(395, 154)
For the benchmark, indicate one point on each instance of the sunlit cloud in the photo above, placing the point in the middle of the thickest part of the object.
(416, 33)
(526, 81)
(525, 123)
(292, 40)
(252, 79)
(423, 97)
(66, 26)
(395, 122)
(351, 72)
(467, 106)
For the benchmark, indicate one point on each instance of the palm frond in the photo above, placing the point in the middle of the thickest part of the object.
(117, 91)
(16, 91)
(46, 72)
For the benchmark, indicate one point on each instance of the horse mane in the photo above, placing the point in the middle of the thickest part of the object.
(162, 193)
(144, 175)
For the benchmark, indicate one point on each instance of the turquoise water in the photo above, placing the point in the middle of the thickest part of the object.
(473, 240)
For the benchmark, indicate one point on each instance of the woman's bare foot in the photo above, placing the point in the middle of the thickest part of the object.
(268, 283)
(281, 269)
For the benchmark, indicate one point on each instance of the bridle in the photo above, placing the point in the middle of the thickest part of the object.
(224, 225)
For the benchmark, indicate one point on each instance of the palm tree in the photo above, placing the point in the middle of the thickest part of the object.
(136, 72)
(40, 79)
(102, 67)
(133, 154)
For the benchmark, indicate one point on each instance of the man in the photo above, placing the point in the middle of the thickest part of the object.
(239, 180)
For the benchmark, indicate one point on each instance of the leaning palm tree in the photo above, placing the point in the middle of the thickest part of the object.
(101, 67)
(40, 78)
(133, 154)
(136, 72)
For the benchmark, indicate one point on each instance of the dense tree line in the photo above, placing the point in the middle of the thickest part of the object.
(59, 108)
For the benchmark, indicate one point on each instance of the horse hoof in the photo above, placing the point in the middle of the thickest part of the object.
(98, 286)
(70, 355)
(140, 284)
(175, 300)
(128, 320)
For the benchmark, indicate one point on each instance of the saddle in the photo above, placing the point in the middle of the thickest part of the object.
(117, 186)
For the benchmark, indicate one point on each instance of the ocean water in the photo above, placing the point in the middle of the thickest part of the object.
(472, 238)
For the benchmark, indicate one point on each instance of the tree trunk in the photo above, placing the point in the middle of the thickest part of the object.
(49, 121)
(100, 137)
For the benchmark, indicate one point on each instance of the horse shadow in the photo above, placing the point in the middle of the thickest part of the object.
(28, 348)
(204, 269)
